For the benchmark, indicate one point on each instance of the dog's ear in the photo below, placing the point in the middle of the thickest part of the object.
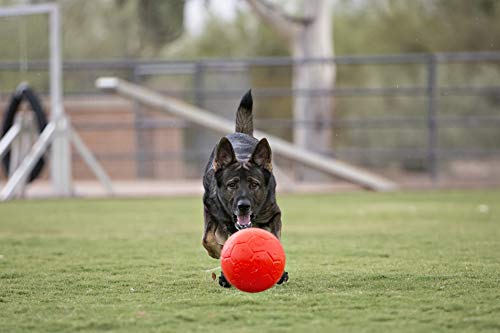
(261, 155)
(224, 154)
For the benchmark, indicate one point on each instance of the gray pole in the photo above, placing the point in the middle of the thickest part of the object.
(140, 142)
(432, 126)
(61, 150)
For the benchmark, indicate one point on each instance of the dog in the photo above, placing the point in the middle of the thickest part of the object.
(239, 187)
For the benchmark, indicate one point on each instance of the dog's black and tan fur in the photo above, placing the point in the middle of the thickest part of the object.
(239, 186)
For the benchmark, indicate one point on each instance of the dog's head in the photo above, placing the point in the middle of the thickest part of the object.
(242, 186)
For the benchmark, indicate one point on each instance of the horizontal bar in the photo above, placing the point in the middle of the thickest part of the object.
(339, 92)
(27, 10)
(283, 92)
(413, 123)
(467, 56)
(414, 152)
(351, 152)
(149, 156)
(149, 66)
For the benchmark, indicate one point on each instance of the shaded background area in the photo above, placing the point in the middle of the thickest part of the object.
(421, 114)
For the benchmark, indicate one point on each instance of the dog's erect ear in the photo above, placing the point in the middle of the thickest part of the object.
(261, 155)
(224, 154)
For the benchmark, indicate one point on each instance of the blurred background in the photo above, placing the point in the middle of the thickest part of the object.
(406, 89)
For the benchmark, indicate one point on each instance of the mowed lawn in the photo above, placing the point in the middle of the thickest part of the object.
(360, 262)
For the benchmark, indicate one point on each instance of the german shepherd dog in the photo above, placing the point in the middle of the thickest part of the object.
(239, 187)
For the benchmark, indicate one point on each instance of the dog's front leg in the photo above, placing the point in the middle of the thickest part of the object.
(209, 239)
(275, 225)
(213, 247)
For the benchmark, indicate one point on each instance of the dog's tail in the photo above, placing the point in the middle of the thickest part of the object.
(244, 119)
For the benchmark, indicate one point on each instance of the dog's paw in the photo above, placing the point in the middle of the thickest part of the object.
(223, 282)
(284, 278)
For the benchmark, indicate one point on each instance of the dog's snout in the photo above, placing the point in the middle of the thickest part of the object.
(244, 205)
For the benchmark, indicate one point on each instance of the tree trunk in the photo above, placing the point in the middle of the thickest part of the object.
(313, 112)
(309, 36)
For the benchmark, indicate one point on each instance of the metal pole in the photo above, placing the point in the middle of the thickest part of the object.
(16, 154)
(280, 146)
(61, 150)
(29, 162)
(199, 96)
(20, 148)
(25, 10)
(432, 126)
(8, 138)
(139, 134)
(91, 161)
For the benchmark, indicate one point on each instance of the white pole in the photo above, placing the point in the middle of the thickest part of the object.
(8, 138)
(27, 10)
(28, 163)
(91, 161)
(61, 150)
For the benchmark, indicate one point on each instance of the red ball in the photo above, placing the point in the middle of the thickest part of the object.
(253, 260)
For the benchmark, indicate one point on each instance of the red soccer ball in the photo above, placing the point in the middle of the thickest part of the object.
(253, 260)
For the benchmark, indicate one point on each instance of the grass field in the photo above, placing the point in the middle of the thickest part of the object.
(412, 262)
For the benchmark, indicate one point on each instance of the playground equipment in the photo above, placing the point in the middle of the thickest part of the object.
(22, 126)
(281, 147)
(58, 132)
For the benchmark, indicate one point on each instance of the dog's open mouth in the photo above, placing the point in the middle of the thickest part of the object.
(243, 221)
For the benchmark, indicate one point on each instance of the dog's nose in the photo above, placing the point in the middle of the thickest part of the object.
(243, 205)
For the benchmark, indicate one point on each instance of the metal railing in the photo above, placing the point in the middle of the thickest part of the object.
(430, 91)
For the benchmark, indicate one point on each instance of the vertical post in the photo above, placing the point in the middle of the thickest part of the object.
(197, 136)
(199, 96)
(25, 141)
(138, 129)
(61, 150)
(432, 126)
(15, 147)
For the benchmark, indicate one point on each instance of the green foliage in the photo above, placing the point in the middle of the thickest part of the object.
(125, 28)
(98, 29)
(243, 38)
(392, 26)
(161, 21)
(366, 27)
(358, 262)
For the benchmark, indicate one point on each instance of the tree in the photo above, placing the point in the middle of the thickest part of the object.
(161, 22)
(308, 36)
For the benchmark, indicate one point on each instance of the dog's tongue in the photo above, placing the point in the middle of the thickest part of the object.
(243, 220)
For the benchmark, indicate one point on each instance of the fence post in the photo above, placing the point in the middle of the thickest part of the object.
(432, 125)
(198, 135)
(198, 84)
(140, 142)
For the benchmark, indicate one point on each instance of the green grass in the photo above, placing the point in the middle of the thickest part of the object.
(358, 262)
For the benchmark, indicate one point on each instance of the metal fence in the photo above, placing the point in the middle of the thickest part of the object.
(415, 112)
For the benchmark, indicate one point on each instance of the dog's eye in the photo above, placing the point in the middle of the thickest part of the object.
(232, 185)
(253, 185)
